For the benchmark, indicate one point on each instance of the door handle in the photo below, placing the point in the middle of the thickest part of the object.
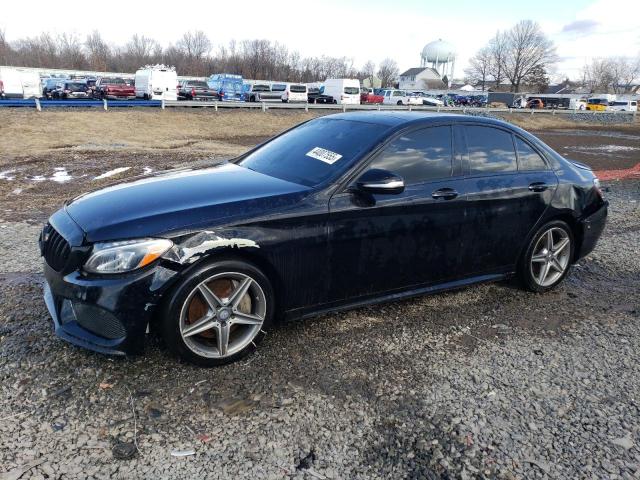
(446, 193)
(538, 187)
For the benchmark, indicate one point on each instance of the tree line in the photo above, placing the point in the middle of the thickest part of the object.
(192, 54)
(523, 55)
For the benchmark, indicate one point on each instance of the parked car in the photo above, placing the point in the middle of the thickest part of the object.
(253, 92)
(343, 90)
(49, 85)
(341, 211)
(196, 90)
(598, 104)
(228, 87)
(428, 100)
(70, 89)
(115, 88)
(274, 94)
(157, 82)
(1, 90)
(624, 106)
(400, 97)
(317, 95)
(295, 92)
(367, 96)
(535, 103)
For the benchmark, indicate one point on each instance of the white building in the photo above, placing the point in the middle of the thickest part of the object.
(422, 78)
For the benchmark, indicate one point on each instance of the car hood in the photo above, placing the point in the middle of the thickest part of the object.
(179, 201)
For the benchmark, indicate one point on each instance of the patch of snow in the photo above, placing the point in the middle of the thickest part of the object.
(111, 173)
(605, 148)
(17, 191)
(38, 178)
(61, 175)
(147, 170)
(6, 175)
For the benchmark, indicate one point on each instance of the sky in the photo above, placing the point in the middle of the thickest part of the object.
(362, 30)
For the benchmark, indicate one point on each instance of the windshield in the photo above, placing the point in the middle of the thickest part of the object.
(77, 87)
(314, 152)
(351, 90)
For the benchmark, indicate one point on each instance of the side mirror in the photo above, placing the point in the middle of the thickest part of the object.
(380, 181)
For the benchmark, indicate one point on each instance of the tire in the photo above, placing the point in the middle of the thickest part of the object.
(192, 301)
(538, 256)
(399, 102)
(335, 102)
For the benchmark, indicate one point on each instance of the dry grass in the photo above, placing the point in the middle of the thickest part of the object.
(29, 133)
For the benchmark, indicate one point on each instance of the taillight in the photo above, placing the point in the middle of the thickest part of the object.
(193, 92)
(221, 94)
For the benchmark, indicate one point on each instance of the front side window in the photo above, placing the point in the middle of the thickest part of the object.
(418, 156)
(490, 150)
(528, 158)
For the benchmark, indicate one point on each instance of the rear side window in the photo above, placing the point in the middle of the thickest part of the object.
(418, 156)
(278, 88)
(490, 150)
(528, 158)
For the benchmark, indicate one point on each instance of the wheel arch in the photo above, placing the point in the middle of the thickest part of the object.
(238, 254)
(568, 218)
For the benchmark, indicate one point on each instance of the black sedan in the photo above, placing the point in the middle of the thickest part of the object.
(338, 212)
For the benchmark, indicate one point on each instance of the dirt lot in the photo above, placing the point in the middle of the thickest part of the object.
(488, 382)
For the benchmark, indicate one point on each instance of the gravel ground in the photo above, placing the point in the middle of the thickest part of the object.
(487, 382)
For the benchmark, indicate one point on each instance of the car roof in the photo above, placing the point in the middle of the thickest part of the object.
(399, 119)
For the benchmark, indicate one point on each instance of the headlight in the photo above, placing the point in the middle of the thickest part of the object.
(120, 257)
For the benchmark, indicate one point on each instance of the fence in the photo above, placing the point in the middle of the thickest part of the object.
(266, 106)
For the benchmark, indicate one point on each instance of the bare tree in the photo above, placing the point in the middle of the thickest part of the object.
(369, 73)
(497, 47)
(98, 52)
(479, 67)
(598, 75)
(388, 72)
(624, 71)
(527, 49)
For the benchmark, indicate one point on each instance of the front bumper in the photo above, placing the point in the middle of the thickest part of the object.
(592, 227)
(107, 315)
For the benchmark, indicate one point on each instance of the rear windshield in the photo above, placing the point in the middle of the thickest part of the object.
(198, 84)
(351, 90)
(298, 88)
(315, 152)
(113, 81)
(278, 88)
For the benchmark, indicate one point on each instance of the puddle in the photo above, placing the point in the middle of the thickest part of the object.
(6, 174)
(590, 133)
(111, 173)
(602, 148)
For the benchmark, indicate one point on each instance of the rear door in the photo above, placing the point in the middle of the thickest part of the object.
(507, 193)
(383, 242)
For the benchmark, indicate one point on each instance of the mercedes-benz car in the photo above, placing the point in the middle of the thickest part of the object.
(338, 212)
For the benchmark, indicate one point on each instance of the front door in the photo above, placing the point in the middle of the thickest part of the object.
(383, 242)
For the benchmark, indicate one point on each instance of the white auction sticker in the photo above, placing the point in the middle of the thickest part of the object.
(324, 155)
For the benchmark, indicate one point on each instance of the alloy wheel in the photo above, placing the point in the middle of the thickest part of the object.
(550, 257)
(222, 315)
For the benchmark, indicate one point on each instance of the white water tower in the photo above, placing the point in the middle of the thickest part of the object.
(441, 56)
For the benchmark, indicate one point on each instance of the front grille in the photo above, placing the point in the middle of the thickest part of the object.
(98, 321)
(55, 249)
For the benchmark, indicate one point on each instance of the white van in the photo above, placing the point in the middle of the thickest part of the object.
(20, 83)
(624, 106)
(343, 90)
(156, 82)
(295, 92)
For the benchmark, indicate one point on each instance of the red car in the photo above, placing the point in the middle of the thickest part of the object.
(367, 96)
(115, 88)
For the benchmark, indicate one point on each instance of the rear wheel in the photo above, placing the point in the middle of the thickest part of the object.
(219, 313)
(548, 257)
(399, 102)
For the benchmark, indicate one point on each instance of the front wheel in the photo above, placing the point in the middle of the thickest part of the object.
(219, 313)
(399, 102)
(547, 259)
